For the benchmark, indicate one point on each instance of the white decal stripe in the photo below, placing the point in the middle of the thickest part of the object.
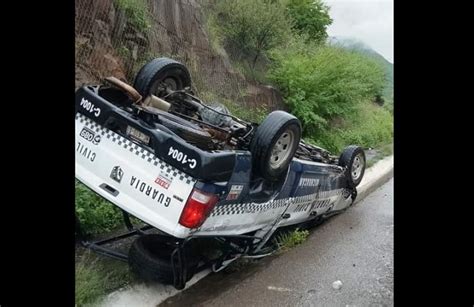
(252, 208)
(139, 151)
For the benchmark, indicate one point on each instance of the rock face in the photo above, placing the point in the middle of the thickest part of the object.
(109, 44)
(96, 56)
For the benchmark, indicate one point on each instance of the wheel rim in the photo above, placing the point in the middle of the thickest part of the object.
(357, 167)
(160, 87)
(282, 149)
(170, 83)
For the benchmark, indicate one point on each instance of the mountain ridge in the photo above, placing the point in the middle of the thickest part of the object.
(358, 45)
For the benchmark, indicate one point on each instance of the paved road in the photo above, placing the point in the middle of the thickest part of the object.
(355, 247)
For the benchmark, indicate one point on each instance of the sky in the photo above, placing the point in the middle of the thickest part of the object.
(368, 20)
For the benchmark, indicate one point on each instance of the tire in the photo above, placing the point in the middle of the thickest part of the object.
(149, 258)
(174, 74)
(266, 163)
(353, 159)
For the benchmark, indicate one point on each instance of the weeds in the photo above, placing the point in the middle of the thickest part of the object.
(137, 12)
(96, 214)
(97, 276)
(288, 240)
(382, 152)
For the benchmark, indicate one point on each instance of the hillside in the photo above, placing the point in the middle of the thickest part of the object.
(117, 37)
(359, 46)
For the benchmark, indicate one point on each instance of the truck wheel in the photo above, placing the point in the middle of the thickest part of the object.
(274, 144)
(353, 159)
(161, 74)
(149, 258)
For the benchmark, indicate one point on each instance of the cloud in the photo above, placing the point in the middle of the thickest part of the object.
(368, 20)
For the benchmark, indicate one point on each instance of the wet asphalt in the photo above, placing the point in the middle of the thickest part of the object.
(355, 248)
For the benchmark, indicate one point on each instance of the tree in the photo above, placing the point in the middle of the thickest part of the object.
(310, 18)
(250, 28)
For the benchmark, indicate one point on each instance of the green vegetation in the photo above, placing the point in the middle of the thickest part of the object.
(362, 48)
(97, 276)
(96, 214)
(382, 152)
(310, 18)
(248, 30)
(255, 115)
(138, 20)
(288, 240)
(324, 84)
(388, 104)
(137, 12)
(369, 126)
(331, 90)
(335, 90)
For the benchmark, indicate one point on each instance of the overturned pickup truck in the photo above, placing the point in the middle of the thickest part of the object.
(195, 174)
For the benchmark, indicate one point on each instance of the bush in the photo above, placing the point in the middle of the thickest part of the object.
(324, 83)
(388, 105)
(96, 214)
(371, 126)
(250, 28)
(136, 12)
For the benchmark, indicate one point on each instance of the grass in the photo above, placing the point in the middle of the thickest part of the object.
(255, 115)
(255, 74)
(137, 12)
(371, 126)
(212, 27)
(96, 214)
(97, 276)
(382, 152)
(288, 240)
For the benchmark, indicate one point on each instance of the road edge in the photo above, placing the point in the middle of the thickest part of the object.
(375, 176)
